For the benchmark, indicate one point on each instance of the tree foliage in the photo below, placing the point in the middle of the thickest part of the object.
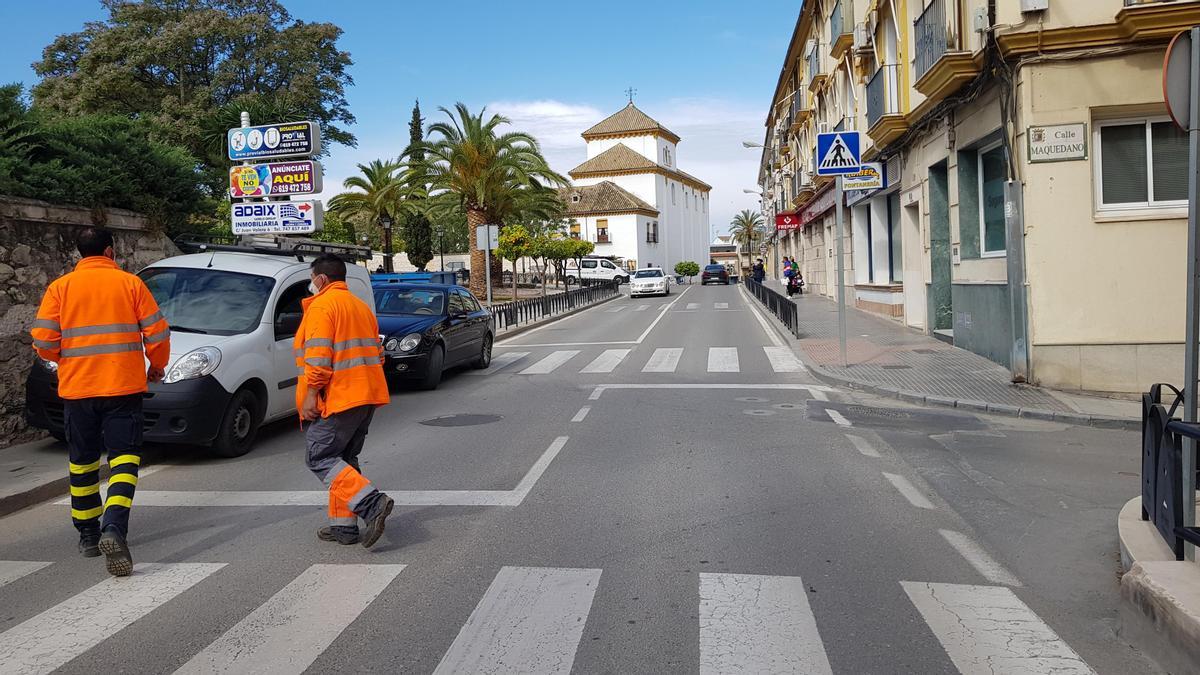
(379, 191)
(747, 229)
(687, 268)
(190, 66)
(95, 161)
(418, 230)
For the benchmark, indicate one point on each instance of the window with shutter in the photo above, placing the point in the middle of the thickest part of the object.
(1140, 164)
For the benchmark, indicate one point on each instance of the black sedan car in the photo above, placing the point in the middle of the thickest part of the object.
(427, 328)
(714, 273)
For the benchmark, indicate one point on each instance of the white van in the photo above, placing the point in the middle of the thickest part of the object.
(595, 269)
(233, 314)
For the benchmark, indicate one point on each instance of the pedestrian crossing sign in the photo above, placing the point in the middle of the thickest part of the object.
(839, 153)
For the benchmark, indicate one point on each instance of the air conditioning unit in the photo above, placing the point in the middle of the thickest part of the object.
(806, 178)
(863, 40)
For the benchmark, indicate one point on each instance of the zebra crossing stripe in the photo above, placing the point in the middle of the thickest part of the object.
(54, 637)
(720, 305)
(530, 620)
(723, 360)
(607, 361)
(501, 361)
(289, 631)
(783, 360)
(11, 570)
(641, 308)
(616, 309)
(693, 305)
(550, 363)
(758, 624)
(987, 629)
(664, 360)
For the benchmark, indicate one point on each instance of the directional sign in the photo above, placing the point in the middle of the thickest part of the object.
(487, 237)
(838, 153)
(277, 217)
(275, 179)
(290, 139)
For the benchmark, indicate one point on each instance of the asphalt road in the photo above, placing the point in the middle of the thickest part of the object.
(651, 486)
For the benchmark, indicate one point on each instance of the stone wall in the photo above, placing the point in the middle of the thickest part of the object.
(37, 245)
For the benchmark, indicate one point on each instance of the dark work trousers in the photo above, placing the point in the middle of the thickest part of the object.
(94, 425)
(333, 446)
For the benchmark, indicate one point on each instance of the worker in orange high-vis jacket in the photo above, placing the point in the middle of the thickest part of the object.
(100, 325)
(341, 383)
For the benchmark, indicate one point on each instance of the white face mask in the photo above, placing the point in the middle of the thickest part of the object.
(312, 288)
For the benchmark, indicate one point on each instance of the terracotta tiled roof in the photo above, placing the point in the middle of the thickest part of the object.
(629, 121)
(603, 197)
(617, 158)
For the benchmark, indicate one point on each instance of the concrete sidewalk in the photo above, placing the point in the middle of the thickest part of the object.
(887, 358)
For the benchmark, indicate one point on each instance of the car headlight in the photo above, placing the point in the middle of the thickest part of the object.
(390, 345)
(196, 363)
(50, 366)
(410, 342)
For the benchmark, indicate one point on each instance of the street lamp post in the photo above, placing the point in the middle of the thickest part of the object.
(386, 222)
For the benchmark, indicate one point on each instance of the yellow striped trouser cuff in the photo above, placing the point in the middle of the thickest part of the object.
(84, 468)
(89, 514)
(85, 490)
(117, 500)
(124, 459)
(122, 478)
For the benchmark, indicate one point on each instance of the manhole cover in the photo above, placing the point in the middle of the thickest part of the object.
(460, 420)
(789, 406)
(759, 413)
(750, 399)
(878, 412)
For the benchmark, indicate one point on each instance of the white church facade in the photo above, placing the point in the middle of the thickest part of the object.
(631, 199)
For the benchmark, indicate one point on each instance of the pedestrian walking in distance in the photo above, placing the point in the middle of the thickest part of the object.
(100, 324)
(341, 383)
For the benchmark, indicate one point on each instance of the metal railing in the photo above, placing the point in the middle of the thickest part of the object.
(814, 63)
(838, 21)
(936, 33)
(783, 308)
(1162, 467)
(514, 313)
(881, 93)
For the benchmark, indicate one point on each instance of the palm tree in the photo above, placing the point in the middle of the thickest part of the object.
(467, 157)
(747, 229)
(376, 197)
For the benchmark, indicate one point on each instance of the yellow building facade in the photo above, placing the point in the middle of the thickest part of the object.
(1034, 205)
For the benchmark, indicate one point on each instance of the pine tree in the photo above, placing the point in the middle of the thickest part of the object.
(418, 232)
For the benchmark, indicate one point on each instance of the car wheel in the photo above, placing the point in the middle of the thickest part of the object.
(239, 426)
(485, 354)
(433, 371)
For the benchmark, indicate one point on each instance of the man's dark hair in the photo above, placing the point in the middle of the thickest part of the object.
(92, 241)
(331, 266)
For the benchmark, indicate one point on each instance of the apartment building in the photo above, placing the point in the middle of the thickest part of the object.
(1033, 207)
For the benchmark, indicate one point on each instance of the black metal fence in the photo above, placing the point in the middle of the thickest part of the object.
(517, 312)
(1162, 467)
(783, 308)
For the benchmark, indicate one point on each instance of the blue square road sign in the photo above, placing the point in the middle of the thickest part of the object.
(839, 153)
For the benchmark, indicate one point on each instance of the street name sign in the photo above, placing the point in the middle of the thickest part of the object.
(269, 141)
(275, 179)
(1057, 142)
(839, 153)
(277, 217)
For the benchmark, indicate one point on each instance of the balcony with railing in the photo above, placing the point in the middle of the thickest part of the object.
(942, 62)
(800, 112)
(816, 74)
(885, 120)
(841, 28)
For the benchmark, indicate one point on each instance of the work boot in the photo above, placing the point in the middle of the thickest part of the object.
(118, 559)
(342, 535)
(89, 541)
(376, 521)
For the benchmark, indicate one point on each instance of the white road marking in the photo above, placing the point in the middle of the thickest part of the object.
(530, 620)
(723, 360)
(819, 395)
(910, 492)
(979, 559)
(767, 328)
(595, 395)
(11, 570)
(838, 418)
(641, 308)
(289, 631)
(987, 629)
(720, 305)
(198, 498)
(599, 390)
(142, 473)
(783, 360)
(54, 637)
(582, 414)
(862, 445)
(607, 361)
(758, 624)
(661, 314)
(663, 360)
(618, 308)
(572, 344)
(549, 363)
(693, 305)
(501, 361)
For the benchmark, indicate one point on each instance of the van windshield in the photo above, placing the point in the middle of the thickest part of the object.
(208, 301)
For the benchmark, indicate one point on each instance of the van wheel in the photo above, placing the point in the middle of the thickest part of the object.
(485, 354)
(570, 279)
(433, 372)
(239, 426)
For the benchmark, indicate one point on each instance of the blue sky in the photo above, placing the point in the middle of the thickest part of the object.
(706, 70)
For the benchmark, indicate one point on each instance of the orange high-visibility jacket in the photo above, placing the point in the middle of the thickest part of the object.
(338, 352)
(95, 322)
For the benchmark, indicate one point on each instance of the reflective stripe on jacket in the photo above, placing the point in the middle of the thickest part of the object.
(338, 352)
(100, 324)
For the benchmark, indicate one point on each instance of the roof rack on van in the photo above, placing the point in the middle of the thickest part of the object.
(271, 245)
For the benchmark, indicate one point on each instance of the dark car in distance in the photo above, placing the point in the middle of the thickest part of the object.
(714, 273)
(428, 328)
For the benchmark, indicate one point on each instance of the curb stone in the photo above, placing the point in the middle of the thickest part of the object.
(943, 401)
(1037, 414)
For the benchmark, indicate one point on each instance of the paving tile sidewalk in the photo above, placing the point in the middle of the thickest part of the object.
(887, 358)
